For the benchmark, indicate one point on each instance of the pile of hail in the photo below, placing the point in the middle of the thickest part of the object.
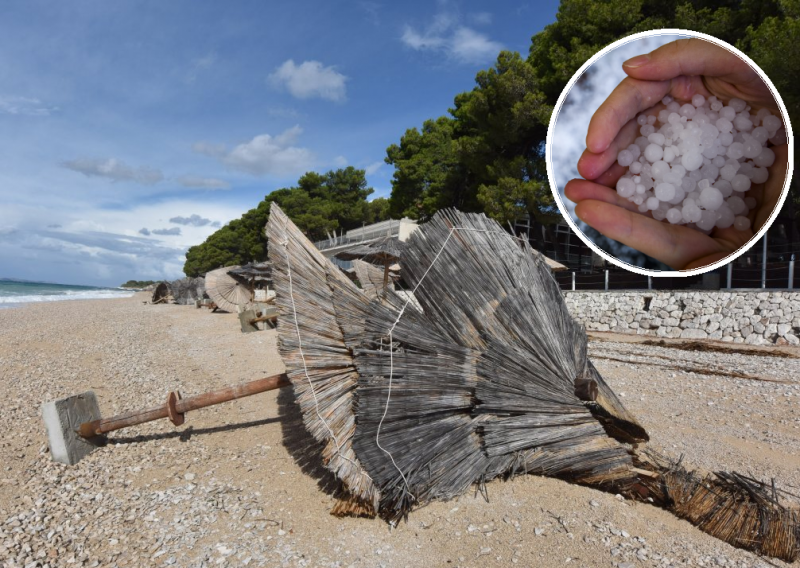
(694, 163)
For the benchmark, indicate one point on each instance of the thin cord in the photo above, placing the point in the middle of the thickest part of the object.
(391, 330)
(303, 357)
(385, 411)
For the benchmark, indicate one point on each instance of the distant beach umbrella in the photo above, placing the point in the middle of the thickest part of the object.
(227, 292)
(385, 251)
(370, 277)
(161, 293)
(258, 271)
(553, 265)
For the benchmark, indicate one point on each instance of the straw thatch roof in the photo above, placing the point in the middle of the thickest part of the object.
(489, 376)
(228, 293)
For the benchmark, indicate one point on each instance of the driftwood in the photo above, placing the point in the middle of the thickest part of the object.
(488, 377)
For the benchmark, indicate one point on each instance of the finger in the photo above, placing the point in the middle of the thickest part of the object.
(673, 245)
(773, 187)
(592, 165)
(627, 100)
(578, 190)
(689, 57)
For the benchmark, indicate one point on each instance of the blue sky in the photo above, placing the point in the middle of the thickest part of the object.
(131, 130)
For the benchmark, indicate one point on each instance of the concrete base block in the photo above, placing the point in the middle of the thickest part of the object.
(62, 418)
(244, 319)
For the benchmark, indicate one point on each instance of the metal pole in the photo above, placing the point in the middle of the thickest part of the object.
(730, 274)
(176, 407)
(649, 282)
(606, 280)
(573, 281)
(791, 274)
(764, 263)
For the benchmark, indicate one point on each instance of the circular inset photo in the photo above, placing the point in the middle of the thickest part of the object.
(670, 153)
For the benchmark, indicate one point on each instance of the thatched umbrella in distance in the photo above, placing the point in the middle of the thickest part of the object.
(161, 293)
(385, 251)
(227, 292)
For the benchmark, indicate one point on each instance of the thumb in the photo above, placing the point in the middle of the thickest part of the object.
(689, 57)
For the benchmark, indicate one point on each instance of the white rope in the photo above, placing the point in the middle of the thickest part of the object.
(385, 410)
(391, 330)
(303, 357)
(391, 356)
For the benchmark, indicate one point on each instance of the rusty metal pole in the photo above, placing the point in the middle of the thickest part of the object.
(176, 407)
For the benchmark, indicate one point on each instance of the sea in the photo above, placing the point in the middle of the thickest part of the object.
(14, 293)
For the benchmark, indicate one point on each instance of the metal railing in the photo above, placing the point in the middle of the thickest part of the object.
(390, 228)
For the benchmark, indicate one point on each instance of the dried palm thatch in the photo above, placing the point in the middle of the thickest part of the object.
(318, 362)
(161, 293)
(188, 290)
(370, 277)
(488, 377)
(227, 292)
(384, 251)
(742, 511)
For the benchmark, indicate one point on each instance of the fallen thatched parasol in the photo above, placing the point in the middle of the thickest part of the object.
(371, 278)
(489, 378)
(385, 251)
(161, 293)
(227, 292)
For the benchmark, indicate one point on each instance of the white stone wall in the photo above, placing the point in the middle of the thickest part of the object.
(740, 317)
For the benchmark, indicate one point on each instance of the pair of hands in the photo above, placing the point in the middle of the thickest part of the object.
(680, 69)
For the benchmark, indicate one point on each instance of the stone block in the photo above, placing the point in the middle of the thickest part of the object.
(691, 333)
(754, 339)
(62, 418)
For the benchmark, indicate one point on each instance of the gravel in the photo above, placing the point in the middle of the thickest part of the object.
(240, 484)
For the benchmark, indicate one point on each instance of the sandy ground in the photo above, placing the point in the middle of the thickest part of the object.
(240, 484)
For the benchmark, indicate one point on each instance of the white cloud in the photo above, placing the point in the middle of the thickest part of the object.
(310, 80)
(470, 46)
(98, 245)
(114, 170)
(374, 167)
(203, 182)
(481, 18)
(459, 42)
(340, 161)
(194, 220)
(264, 154)
(24, 106)
(418, 41)
(173, 231)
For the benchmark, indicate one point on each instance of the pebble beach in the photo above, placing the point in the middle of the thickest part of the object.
(240, 484)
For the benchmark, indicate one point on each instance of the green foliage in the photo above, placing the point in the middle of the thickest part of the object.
(137, 283)
(488, 154)
(774, 46)
(318, 205)
(426, 170)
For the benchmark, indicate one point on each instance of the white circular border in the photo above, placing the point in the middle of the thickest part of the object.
(557, 193)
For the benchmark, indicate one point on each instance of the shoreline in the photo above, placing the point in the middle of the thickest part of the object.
(241, 483)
